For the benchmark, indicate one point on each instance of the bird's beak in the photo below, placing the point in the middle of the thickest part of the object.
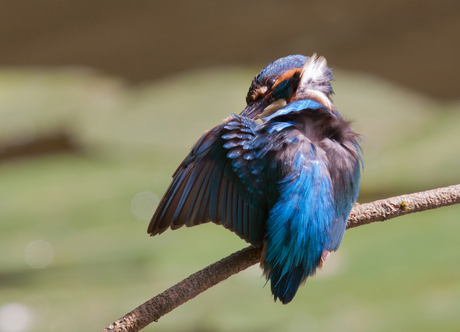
(256, 108)
(272, 108)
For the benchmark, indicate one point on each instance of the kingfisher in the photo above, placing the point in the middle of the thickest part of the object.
(283, 174)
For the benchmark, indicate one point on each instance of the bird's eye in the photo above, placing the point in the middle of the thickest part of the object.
(270, 82)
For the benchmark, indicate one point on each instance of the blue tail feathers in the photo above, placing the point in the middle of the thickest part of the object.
(297, 226)
(284, 287)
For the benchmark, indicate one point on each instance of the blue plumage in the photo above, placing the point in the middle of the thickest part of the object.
(278, 67)
(287, 182)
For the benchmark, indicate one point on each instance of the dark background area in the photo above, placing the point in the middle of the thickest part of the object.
(411, 42)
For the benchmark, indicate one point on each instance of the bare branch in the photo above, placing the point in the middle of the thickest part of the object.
(200, 281)
(185, 290)
(393, 207)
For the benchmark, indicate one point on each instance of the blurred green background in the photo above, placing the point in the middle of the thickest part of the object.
(85, 155)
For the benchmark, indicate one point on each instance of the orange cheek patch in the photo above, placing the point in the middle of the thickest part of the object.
(288, 74)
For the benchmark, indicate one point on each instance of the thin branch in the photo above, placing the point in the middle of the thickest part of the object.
(200, 281)
(393, 207)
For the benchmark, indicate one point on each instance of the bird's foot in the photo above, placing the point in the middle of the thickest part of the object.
(324, 256)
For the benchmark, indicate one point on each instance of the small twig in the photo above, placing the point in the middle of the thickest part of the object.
(200, 281)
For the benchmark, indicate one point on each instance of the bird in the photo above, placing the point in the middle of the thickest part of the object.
(284, 174)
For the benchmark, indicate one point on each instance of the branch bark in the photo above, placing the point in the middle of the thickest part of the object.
(200, 281)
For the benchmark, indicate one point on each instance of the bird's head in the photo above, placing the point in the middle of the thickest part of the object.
(294, 77)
